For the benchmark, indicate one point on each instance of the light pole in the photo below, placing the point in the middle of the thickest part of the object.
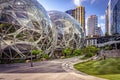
(31, 62)
(0, 48)
(31, 59)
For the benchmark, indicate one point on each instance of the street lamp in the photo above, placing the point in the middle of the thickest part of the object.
(31, 59)
(31, 62)
(0, 48)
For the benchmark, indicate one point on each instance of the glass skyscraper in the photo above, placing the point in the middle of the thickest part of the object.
(113, 17)
(116, 19)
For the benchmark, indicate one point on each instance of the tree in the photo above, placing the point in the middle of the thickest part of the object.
(77, 52)
(90, 51)
(67, 52)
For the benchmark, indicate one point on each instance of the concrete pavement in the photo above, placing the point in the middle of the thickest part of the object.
(61, 69)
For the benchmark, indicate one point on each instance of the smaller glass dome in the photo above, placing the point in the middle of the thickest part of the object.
(69, 32)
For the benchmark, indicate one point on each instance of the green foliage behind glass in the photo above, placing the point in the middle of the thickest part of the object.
(36, 52)
(46, 56)
(6, 26)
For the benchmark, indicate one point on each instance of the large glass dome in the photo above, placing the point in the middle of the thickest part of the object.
(69, 32)
(24, 26)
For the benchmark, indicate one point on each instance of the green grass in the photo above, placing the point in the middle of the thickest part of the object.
(109, 68)
(110, 76)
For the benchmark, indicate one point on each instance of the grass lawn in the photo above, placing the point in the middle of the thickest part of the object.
(110, 76)
(109, 68)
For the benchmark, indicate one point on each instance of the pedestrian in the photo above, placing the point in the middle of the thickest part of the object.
(104, 57)
(98, 53)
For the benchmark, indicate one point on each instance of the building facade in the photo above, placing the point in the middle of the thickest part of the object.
(116, 19)
(112, 17)
(98, 31)
(92, 24)
(79, 14)
(102, 41)
(107, 21)
(91, 41)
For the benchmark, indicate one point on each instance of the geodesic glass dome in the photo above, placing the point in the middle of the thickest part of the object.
(69, 32)
(24, 26)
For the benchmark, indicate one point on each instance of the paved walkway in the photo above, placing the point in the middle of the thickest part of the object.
(61, 69)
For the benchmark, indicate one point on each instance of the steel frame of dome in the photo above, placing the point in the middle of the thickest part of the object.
(69, 32)
(24, 26)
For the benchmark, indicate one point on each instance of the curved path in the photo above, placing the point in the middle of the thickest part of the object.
(61, 69)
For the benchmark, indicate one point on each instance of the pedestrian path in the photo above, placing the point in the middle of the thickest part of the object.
(60, 69)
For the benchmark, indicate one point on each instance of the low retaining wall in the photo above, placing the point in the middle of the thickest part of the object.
(111, 53)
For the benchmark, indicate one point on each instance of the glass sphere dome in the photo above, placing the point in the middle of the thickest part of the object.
(69, 32)
(24, 26)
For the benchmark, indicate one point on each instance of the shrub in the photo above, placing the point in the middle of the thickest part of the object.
(90, 51)
(88, 55)
(46, 56)
(77, 52)
(67, 52)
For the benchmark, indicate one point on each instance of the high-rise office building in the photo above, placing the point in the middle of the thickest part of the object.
(113, 17)
(79, 14)
(116, 19)
(98, 31)
(107, 21)
(92, 24)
